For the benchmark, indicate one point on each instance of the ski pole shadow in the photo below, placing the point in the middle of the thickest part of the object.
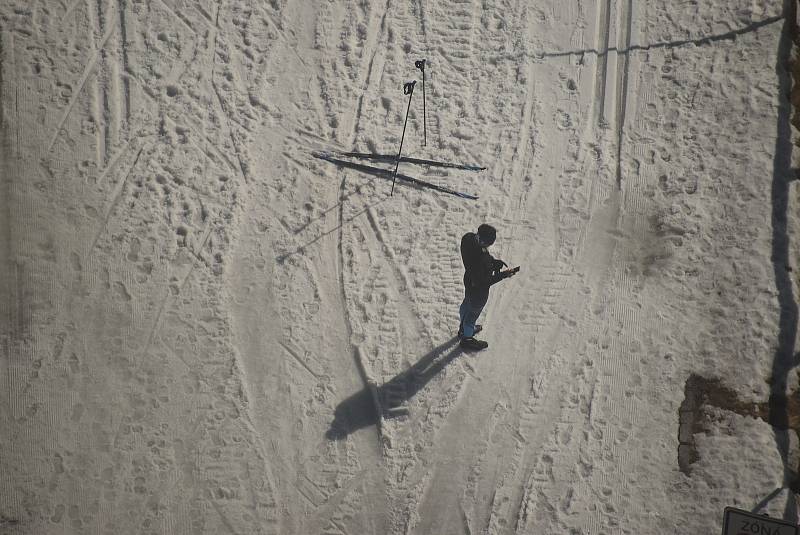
(302, 248)
(375, 171)
(365, 408)
(765, 501)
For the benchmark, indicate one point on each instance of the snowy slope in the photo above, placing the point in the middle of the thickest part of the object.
(207, 329)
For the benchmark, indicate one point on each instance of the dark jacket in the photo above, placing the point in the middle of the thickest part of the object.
(481, 270)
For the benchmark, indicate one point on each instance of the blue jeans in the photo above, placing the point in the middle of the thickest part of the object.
(470, 309)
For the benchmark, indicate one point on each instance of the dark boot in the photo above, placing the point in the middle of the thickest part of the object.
(473, 344)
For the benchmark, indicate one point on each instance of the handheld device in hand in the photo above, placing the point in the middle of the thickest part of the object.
(514, 270)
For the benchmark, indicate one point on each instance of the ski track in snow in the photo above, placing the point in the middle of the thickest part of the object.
(206, 329)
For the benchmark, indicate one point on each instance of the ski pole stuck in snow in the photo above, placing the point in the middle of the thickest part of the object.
(408, 89)
(420, 64)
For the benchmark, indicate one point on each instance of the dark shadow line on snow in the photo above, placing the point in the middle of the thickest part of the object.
(357, 190)
(727, 36)
(359, 410)
(782, 175)
(391, 158)
(325, 212)
(302, 249)
(763, 503)
(387, 174)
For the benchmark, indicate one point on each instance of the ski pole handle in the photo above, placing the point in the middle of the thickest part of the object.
(408, 89)
(420, 64)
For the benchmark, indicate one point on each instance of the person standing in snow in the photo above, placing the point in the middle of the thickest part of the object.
(481, 270)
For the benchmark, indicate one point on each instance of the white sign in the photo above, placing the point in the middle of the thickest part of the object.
(741, 522)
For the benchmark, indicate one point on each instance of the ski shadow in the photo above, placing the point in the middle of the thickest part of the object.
(365, 408)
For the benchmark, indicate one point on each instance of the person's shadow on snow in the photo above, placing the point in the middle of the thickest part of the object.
(364, 408)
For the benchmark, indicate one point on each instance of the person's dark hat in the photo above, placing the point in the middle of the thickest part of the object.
(487, 234)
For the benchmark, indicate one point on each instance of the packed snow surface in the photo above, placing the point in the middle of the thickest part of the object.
(215, 321)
